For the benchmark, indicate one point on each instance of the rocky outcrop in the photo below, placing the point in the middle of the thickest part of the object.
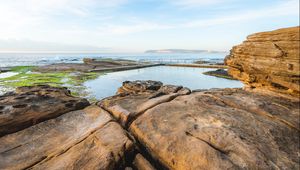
(148, 125)
(214, 129)
(31, 105)
(94, 65)
(268, 60)
(136, 97)
(81, 139)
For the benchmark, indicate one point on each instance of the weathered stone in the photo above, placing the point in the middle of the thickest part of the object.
(139, 86)
(83, 139)
(222, 129)
(138, 96)
(140, 163)
(104, 149)
(31, 105)
(93, 65)
(268, 60)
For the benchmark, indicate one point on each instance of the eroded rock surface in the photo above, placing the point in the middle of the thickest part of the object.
(82, 139)
(210, 129)
(137, 96)
(148, 125)
(205, 130)
(268, 60)
(93, 65)
(31, 105)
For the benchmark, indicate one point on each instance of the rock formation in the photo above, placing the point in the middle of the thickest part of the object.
(148, 125)
(94, 65)
(80, 139)
(31, 105)
(268, 60)
(215, 129)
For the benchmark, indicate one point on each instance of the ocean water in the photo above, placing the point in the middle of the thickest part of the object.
(17, 59)
(190, 77)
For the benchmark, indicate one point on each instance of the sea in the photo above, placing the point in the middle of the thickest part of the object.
(36, 59)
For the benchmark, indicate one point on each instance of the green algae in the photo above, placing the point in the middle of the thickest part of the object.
(72, 80)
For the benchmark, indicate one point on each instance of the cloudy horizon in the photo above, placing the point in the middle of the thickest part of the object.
(137, 26)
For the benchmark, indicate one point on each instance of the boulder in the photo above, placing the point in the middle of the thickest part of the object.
(222, 129)
(82, 139)
(268, 61)
(31, 105)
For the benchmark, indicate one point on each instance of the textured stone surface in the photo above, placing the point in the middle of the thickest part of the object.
(31, 105)
(93, 65)
(83, 139)
(137, 96)
(140, 163)
(268, 60)
(222, 129)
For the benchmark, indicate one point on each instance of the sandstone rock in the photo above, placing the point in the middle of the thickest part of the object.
(139, 86)
(31, 105)
(222, 129)
(138, 96)
(90, 64)
(268, 60)
(83, 139)
(141, 163)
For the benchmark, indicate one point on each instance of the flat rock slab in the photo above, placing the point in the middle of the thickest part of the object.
(31, 105)
(136, 97)
(83, 139)
(222, 129)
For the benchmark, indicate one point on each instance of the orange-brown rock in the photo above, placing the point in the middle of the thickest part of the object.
(141, 163)
(209, 129)
(135, 97)
(31, 105)
(268, 60)
(83, 139)
(222, 129)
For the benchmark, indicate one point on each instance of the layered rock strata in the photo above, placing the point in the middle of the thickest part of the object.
(81, 139)
(268, 60)
(31, 105)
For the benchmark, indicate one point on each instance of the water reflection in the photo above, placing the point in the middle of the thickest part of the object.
(192, 78)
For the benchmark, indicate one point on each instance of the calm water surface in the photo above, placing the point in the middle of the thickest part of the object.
(192, 78)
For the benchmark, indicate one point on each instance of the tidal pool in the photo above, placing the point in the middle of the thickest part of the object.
(192, 78)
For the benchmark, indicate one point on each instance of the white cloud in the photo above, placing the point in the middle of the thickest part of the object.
(91, 21)
(282, 9)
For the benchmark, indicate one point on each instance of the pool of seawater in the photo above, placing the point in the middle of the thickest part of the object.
(192, 78)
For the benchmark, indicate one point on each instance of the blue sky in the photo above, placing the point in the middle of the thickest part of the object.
(138, 25)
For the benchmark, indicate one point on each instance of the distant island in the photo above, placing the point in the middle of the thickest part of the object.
(182, 51)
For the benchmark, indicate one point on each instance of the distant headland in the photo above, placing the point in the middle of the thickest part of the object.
(183, 51)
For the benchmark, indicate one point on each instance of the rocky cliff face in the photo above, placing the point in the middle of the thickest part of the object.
(268, 61)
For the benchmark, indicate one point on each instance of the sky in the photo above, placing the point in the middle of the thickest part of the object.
(138, 25)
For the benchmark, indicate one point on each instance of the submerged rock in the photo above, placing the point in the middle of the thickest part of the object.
(268, 60)
(31, 105)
